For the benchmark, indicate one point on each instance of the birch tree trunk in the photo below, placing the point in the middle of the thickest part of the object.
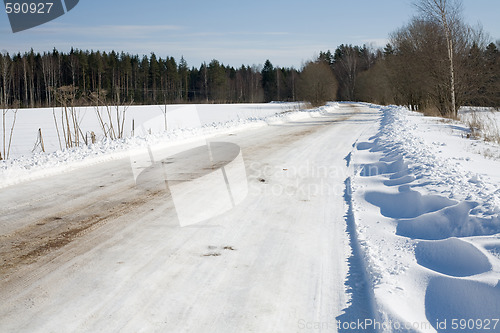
(447, 13)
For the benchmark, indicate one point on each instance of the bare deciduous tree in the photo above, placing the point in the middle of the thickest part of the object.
(317, 83)
(416, 73)
(448, 14)
(346, 66)
(433, 67)
(5, 95)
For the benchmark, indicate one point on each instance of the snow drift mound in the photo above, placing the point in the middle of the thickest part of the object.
(435, 198)
(454, 305)
(452, 257)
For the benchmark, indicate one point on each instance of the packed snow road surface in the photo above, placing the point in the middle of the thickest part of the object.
(133, 245)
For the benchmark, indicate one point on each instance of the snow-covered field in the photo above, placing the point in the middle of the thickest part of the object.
(182, 122)
(179, 118)
(350, 218)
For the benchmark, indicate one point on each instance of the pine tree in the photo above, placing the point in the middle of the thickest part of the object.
(269, 82)
(184, 79)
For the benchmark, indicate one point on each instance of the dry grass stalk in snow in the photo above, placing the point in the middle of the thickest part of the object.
(483, 125)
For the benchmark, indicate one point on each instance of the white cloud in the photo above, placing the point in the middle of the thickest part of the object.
(376, 42)
(103, 31)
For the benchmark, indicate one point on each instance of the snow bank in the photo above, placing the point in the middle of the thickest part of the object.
(426, 204)
(429, 182)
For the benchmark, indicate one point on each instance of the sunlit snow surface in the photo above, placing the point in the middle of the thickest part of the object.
(143, 126)
(425, 200)
(426, 204)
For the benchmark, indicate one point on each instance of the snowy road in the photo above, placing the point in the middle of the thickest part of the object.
(90, 250)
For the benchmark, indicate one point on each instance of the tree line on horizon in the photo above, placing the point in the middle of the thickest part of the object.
(39, 80)
(435, 62)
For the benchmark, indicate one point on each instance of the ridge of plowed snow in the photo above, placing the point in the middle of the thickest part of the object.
(419, 181)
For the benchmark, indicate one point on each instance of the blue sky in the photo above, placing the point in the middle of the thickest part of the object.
(234, 32)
